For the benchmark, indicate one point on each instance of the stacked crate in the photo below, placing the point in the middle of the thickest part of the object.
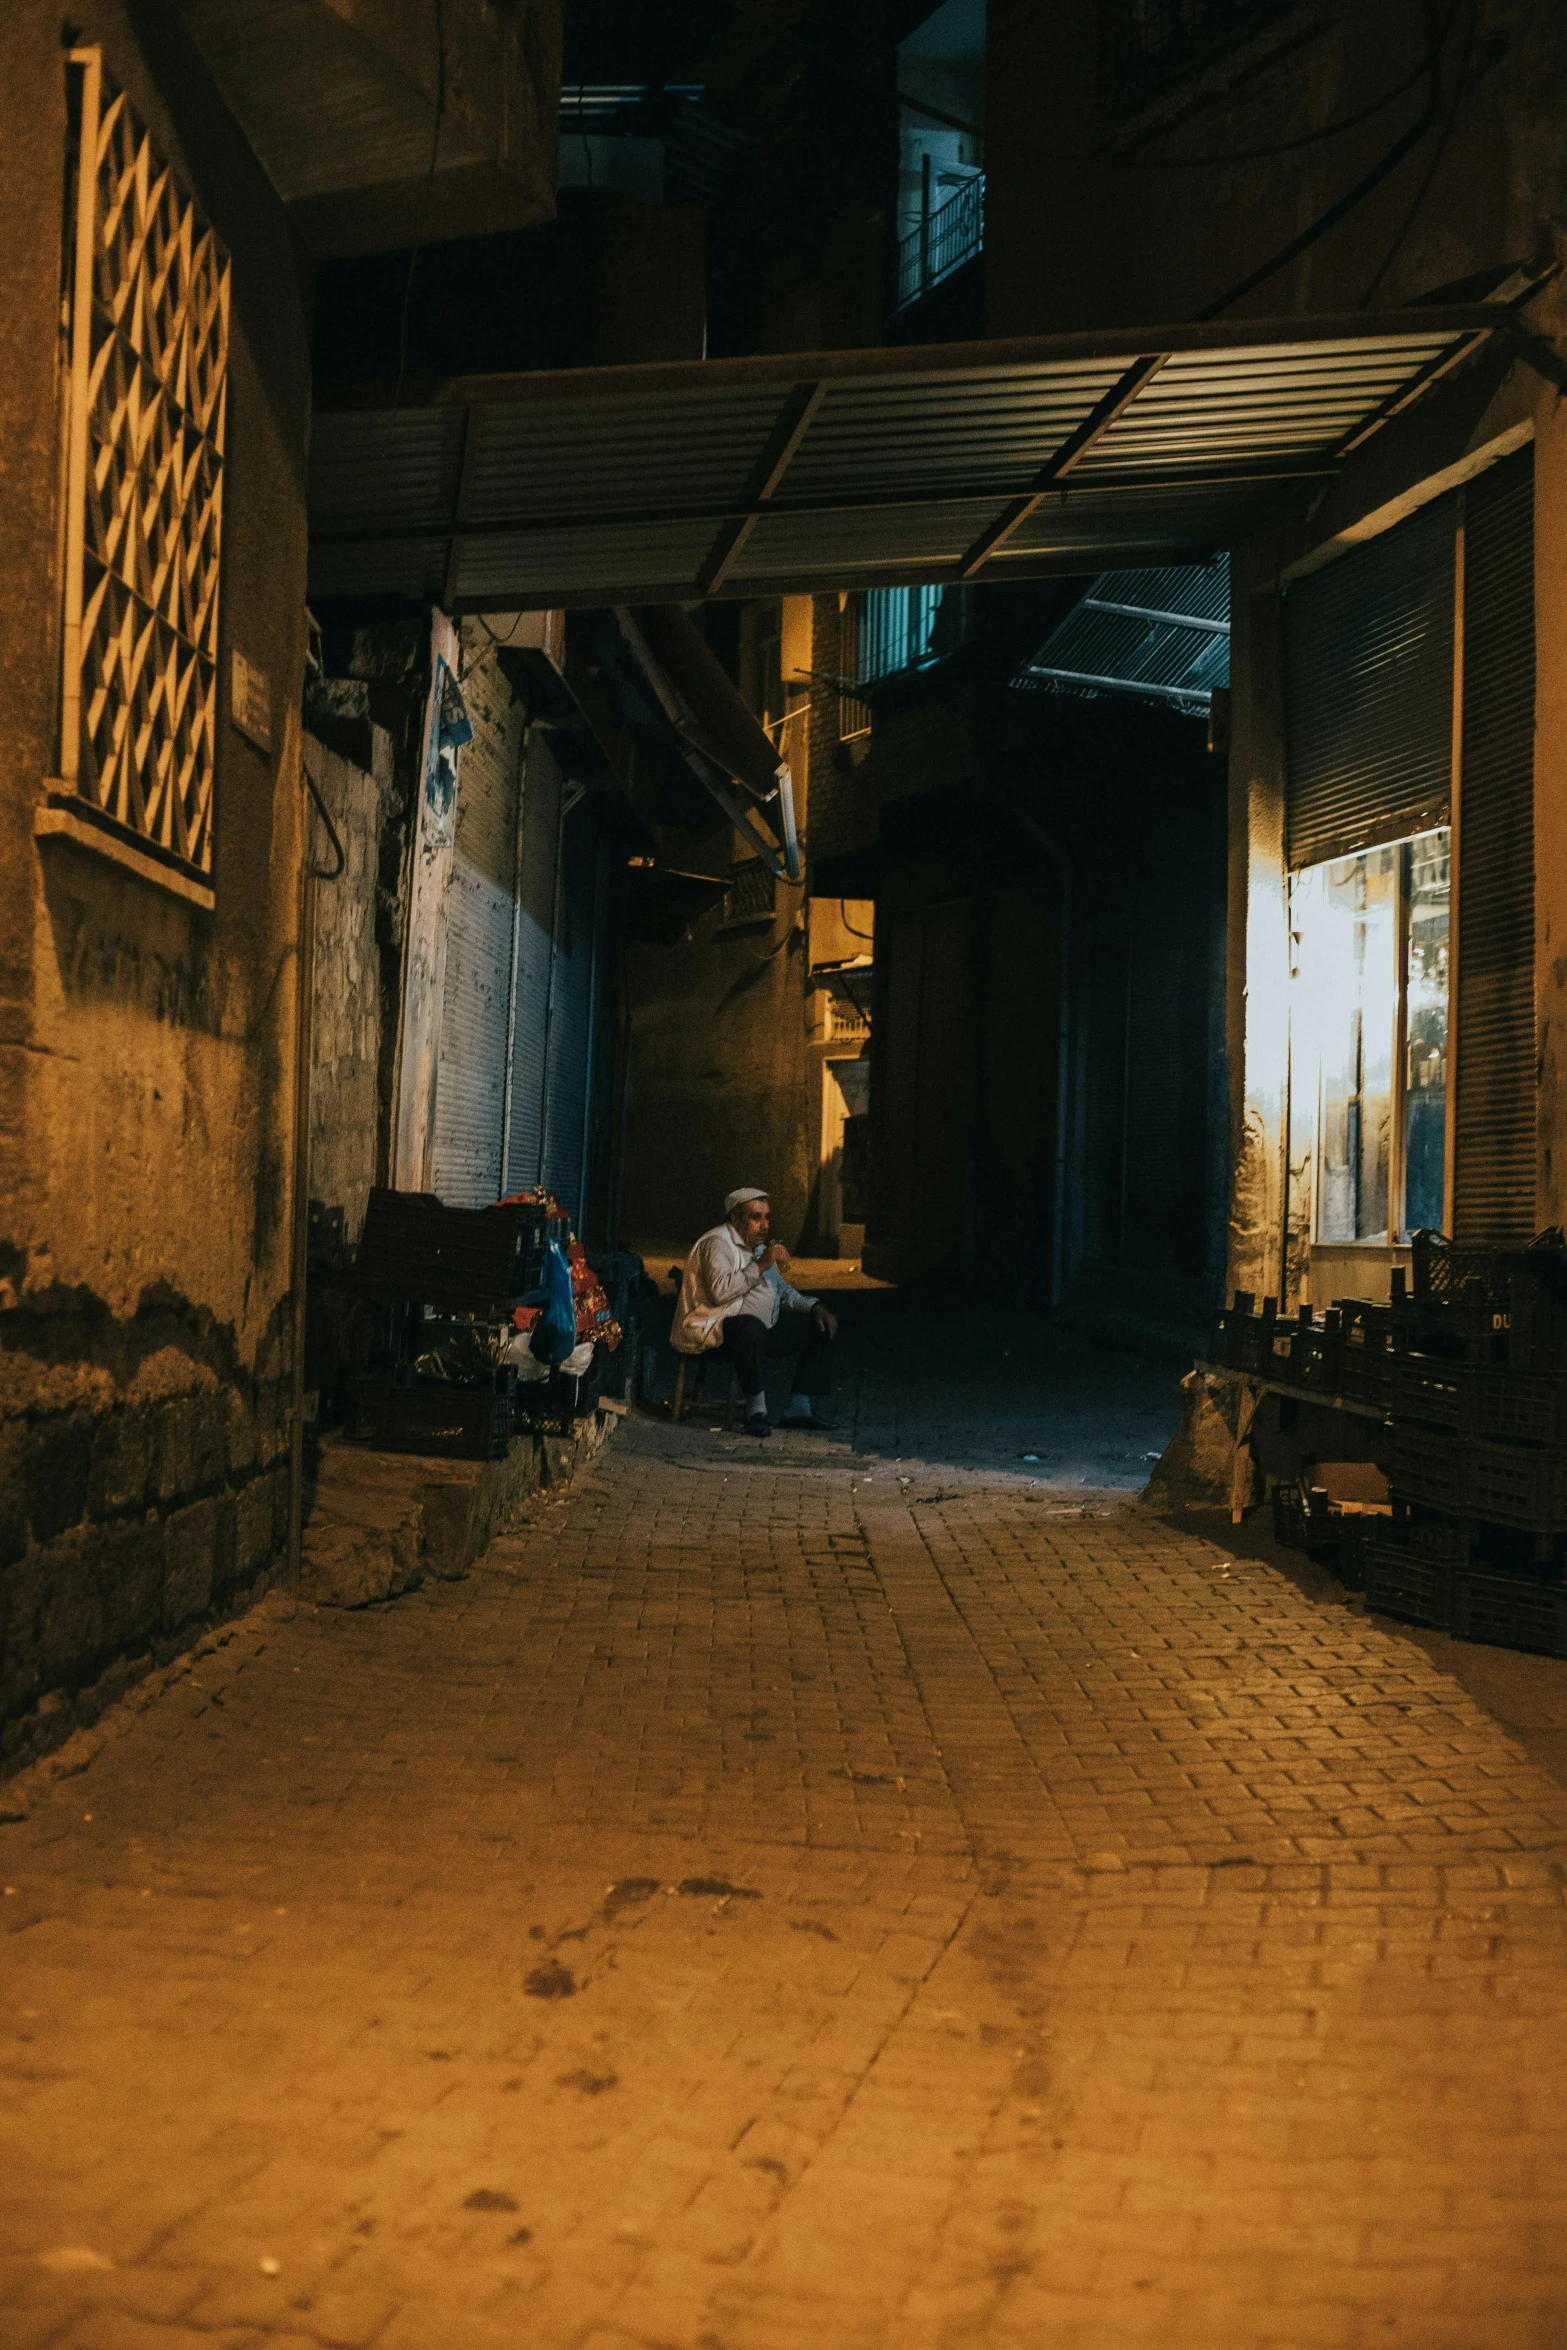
(1468, 1365)
(1479, 1461)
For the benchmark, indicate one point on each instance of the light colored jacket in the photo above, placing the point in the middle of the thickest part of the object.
(722, 1278)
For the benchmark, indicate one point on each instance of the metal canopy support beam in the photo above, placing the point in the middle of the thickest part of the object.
(1420, 381)
(1149, 612)
(1138, 555)
(1071, 453)
(794, 423)
(502, 526)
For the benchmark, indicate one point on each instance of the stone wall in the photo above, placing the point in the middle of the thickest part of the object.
(143, 1495)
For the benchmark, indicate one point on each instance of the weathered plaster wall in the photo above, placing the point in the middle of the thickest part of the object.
(718, 1093)
(146, 1048)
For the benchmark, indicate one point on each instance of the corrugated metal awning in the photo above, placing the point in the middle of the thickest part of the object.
(1160, 635)
(850, 469)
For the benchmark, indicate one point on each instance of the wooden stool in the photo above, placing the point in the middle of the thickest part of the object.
(700, 1362)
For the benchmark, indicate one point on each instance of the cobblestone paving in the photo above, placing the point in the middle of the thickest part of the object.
(771, 1905)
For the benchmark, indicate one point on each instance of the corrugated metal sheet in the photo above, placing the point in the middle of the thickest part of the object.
(470, 1085)
(1494, 1136)
(1368, 691)
(849, 468)
(1160, 635)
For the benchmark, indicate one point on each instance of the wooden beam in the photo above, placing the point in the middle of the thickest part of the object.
(1070, 454)
(794, 422)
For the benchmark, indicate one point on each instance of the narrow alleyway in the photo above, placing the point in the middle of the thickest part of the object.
(787, 1897)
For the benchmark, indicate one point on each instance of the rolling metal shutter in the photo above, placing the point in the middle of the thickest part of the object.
(571, 1016)
(470, 1085)
(1368, 694)
(1494, 1115)
(538, 854)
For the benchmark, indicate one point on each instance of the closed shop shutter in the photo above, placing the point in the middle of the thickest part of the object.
(470, 1087)
(1368, 664)
(571, 1015)
(1494, 1116)
(538, 851)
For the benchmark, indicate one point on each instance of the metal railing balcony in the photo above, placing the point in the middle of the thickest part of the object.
(944, 239)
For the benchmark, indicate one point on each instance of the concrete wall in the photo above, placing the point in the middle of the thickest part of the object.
(1136, 236)
(146, 1048)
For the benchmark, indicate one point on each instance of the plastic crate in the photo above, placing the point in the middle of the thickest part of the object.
(1403, 1582)
(438, 1417)
(1295, 1523)
(1319, 1356)
(1432, 1390)
(1430, 1465)
(1430, 1534)
(1510, 1611)
(1518, 1485)
(416, 1248)
(1520, 1407)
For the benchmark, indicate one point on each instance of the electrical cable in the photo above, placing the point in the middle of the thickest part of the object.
(435, 150)
(1431, 118)
(1331, 130)
(1383, 169)
(1461, 84)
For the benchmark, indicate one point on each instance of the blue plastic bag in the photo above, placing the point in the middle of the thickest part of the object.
(555, 1332)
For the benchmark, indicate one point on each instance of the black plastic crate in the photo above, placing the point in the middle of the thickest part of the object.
(1430, 1465)
(1295, 1523)
(438, 1417)
(1232, 1343)
(1432, 1390)
(1319, 1356)
(416, 1248)
(1520, 1407)
(1510, 1611)
(1518, 1485)
(1403, 1582)
(1436, 1535)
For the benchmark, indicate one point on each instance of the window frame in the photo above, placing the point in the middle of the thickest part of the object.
(146, 310)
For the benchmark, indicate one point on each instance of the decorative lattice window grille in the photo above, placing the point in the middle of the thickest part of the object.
(147, 290)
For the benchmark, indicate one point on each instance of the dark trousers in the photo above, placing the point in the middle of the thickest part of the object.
(747, 1343)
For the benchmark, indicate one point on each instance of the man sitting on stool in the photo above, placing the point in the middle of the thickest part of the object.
(734, 1301)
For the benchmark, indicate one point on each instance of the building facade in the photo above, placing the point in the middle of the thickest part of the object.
(160, 226)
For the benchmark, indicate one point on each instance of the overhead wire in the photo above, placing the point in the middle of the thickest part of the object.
(1461, 84)
(1329, 130)
(1429, 119)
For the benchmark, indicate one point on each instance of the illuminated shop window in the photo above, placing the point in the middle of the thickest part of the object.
(1369, 1036)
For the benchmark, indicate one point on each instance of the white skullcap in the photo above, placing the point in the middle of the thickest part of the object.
(738, 1199)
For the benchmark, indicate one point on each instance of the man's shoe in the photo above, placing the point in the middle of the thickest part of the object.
(756, 1424)
(810, 1419)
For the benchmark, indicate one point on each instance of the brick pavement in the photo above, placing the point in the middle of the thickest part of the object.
(768, 1905)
